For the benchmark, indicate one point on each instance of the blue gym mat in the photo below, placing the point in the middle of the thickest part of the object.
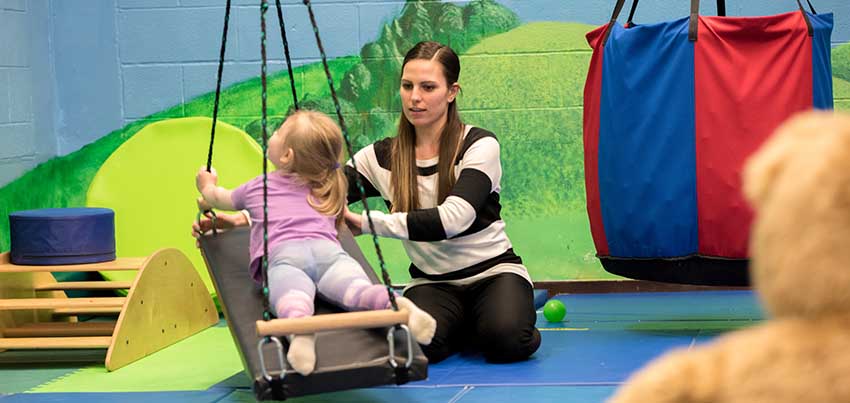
(603, 339)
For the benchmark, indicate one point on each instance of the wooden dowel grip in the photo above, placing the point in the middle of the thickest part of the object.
(337, 321)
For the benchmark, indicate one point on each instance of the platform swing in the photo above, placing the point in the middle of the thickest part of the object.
(353, 349)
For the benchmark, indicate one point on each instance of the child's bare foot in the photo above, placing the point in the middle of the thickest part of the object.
(302, 353)
(421, 324)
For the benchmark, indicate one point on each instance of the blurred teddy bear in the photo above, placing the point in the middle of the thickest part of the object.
(799, 185)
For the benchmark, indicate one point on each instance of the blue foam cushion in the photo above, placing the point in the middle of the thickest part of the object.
(62, 236)
(540, 298)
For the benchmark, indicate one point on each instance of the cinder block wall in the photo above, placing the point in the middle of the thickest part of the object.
(71, 71)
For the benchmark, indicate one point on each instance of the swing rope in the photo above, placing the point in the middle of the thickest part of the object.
(283, 39)
(384, 273)
(267, 314)
(218, 83)
(264, 122)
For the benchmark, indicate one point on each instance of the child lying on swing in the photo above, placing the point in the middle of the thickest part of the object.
(306, 202)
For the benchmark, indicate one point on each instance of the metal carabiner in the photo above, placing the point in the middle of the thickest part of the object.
(213, 218)
(391, 341)
(260, 344)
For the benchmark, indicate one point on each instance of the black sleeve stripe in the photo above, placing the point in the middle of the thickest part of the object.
(473, 186)
(353, 193)
(425, 225)
(475, 134)
(383, 152)
(507, 257)
(488, 214)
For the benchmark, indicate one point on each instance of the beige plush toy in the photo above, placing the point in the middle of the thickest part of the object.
(799, 185)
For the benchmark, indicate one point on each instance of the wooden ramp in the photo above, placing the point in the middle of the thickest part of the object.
(165, 303)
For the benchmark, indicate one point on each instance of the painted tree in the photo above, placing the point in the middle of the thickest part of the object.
(374, 82)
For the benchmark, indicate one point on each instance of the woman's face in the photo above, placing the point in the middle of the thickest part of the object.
(425, 94)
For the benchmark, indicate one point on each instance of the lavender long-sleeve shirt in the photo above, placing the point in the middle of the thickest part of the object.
(290, 216)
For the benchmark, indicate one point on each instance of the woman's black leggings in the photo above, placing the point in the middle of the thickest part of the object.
(495, 316)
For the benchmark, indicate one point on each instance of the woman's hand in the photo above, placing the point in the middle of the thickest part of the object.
(223, 222)
(354, 222)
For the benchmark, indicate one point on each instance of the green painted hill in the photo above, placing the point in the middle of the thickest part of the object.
(63, 181)
(525, 85)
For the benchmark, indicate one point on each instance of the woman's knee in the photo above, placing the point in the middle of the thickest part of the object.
(437, 351)
(507, 342)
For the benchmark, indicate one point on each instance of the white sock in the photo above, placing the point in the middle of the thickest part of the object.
(302, 353)
(421, 324)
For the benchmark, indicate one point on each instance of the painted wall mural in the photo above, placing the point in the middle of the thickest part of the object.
(524, 82)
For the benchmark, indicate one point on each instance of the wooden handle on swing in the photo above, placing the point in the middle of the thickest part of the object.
(336, 321)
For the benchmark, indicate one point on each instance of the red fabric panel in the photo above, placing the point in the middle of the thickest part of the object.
(592, 96)
(751, 74)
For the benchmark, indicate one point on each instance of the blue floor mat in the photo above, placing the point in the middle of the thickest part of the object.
(564, 358)
(382, 395)
(603, 339)
(136, 397)
(18, 378)
(560, 394)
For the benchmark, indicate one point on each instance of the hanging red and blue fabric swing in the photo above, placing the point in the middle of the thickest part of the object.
(671, 112)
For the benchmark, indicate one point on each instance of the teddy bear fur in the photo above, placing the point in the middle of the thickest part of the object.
(798, 183)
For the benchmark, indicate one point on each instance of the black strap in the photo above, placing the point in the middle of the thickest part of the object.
(629, 22)
(692, 27)
(811, 7)
(693, 22)
(402, 375)
(616, 13)
(721, 11)
(721, 7)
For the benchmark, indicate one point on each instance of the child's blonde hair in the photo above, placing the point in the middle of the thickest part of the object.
(317, 145)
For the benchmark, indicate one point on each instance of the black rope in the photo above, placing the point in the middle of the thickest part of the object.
(629, 22)
(385, 275)
(811, 7)
(265, 260)
(286, 53)
(218, 83)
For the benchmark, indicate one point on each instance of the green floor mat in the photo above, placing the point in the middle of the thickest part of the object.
(195, 363)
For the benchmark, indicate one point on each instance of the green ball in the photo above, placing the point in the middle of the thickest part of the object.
(554, 310)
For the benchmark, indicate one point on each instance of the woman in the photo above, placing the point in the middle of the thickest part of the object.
(441, 179)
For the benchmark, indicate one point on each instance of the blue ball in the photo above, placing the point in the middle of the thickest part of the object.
(554, 310)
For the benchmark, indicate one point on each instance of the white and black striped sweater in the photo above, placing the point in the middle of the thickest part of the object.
(461, 240)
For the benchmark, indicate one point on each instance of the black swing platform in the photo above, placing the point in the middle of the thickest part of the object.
(345, 359)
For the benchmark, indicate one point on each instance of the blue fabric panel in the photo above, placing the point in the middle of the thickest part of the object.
(62, 236)
(821, 63)
(647, 162)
